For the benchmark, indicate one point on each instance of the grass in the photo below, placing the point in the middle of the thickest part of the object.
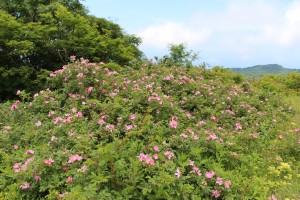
(291, 190)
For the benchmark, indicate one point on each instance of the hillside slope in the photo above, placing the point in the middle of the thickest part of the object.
(258, 70)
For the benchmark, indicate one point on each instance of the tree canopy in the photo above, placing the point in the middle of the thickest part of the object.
(43, 34)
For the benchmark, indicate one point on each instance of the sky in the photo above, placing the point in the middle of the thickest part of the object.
(228, 33)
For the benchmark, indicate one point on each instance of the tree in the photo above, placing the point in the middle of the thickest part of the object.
(43, 34)
(179, 56)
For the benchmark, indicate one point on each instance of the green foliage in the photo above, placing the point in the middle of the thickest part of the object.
(104, 131)
(289, 83)
(44, 34)
(179, 56)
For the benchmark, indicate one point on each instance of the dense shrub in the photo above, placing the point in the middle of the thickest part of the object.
(101, 131)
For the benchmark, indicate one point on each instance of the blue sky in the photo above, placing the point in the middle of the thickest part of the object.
(229, 33)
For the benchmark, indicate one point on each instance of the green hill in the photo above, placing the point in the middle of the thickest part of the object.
(259, 70)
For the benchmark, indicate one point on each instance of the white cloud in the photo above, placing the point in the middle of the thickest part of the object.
(248, 28)
(171, 32)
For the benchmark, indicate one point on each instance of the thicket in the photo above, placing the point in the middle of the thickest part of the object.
(147, 131)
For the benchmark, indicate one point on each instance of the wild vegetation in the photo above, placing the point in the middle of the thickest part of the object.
(147, 131)
(110, 128)
(38, 36)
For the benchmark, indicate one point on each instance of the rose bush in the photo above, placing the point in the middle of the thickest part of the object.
(102, 131)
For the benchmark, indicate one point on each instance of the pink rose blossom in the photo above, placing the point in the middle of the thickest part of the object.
(101, 122)
(227, 184)
(111, 127)
(53, 138)
(89, 90)
(238, 126)
(210, 174)
(74, 158)
(49, 162)
(192, 163)
(25, 186)
(17, 167)
(219, 181)
(173, 124)
(155, 156)
(29, 151)
(149, 161)
(80, 75)
(156, 148)
(37, 177)
(215, 193)
(69, 180)
(73, 58)
(128, 127)
(169, 154)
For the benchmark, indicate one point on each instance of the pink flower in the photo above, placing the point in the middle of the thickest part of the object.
(25, 186)
(79, 114)
(192, 163)
(177, 173)
(49, 162)
(272, 197)
(219, 181)
(101, 63)
(149, 161)
(142, 157)
(155, 156)
(183, 135)
(89, 90)
(29, 152)
(111, 127)
(196, 170)
(101, 122)
(80, 75)
(17, 167)
(53, 138)
(238, 126)
(169, 154)
(132, 117)
(214, 118)
(70, 134)
(215, 193)
(128, 127)
(74, 158)
(16, 146)
(156, 148)
(69, 180)
(37, 177)
(73, 58)
(173, 124)
(210, 174)
(227, 184)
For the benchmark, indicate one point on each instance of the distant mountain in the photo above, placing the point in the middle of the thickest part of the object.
(259, 70)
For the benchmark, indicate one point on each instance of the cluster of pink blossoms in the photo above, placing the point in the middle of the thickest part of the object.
(25, 186)
(74, 158)
(173, 123)
(169, 154)
(18, 168)
(48, 162)
(148, 159)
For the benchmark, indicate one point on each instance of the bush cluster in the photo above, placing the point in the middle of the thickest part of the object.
(145, 131)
